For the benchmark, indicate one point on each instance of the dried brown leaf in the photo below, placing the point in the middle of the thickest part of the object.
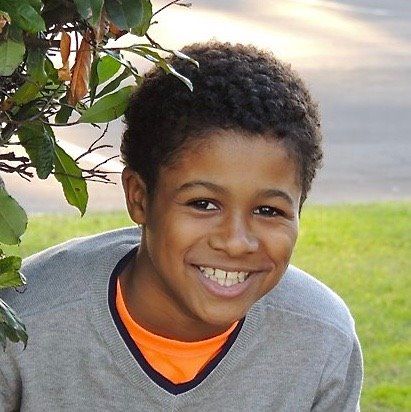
(65, 43)
(102, 28)
(81, 71)
(4, 20)
(64, 73)
(115, 31)
(6, 105)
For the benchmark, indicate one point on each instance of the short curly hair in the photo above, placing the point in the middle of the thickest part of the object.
(236, 87)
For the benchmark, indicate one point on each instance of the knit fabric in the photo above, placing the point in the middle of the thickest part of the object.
(296, 350)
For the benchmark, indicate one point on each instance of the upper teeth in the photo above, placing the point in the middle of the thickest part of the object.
(223, 277)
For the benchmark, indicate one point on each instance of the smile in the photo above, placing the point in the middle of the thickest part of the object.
(222, 277)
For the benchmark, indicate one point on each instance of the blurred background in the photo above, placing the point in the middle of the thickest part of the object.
(355, 56)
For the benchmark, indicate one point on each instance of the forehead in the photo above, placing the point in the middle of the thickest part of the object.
(234, 160)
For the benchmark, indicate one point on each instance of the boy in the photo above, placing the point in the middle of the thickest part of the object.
(199, 310)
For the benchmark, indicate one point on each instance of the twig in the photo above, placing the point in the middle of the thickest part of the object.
(164, 7)
(104, 162)
(154, 43)
(102, 135)
(93, 148)
(61, 124)
(103, 146)
(21, 169)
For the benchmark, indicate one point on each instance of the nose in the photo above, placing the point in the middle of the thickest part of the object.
(234, 238)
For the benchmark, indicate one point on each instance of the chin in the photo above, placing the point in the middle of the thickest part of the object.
(218, 321)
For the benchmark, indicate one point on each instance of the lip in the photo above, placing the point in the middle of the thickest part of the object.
(224, 291)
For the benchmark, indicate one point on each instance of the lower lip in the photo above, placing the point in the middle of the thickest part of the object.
(224, 291)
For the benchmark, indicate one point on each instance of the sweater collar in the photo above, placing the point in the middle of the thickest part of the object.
(112, 261)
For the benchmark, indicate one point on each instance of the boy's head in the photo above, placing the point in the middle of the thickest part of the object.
(217, 178)
(235, 88)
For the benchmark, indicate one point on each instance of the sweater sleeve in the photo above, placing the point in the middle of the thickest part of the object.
(340, 386)
(10, 383)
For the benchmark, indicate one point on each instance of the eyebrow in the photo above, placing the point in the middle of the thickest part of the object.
(208, 185)
(219, 189)
(276, 193)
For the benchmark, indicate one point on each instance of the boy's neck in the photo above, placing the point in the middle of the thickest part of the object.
(151, 310)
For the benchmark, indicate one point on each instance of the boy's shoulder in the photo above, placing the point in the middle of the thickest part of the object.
(65, 272)
(302, 295)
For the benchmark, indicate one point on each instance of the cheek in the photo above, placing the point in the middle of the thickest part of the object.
(175, 235)
(280, 245)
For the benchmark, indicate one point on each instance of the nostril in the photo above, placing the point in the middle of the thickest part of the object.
(234, 245)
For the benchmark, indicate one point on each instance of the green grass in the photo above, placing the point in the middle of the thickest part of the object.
(361, 251)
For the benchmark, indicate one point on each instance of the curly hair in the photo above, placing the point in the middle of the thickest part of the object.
(236, 87)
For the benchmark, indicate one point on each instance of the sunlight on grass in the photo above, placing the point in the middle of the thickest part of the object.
(363, 253)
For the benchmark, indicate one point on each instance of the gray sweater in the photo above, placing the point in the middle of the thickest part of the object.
(295, 351)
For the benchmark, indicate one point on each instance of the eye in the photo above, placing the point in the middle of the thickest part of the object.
(268, 211)
(203, 204)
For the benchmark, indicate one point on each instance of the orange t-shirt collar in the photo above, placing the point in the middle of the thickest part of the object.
(177, 361)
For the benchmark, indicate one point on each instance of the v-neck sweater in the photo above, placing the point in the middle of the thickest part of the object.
(177, 361)
(296, 350)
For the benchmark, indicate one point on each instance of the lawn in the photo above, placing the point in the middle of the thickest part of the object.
(361, 251)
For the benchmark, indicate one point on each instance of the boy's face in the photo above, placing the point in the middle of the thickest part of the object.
(219, 231)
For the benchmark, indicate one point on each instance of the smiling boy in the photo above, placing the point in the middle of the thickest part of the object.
(200, 309)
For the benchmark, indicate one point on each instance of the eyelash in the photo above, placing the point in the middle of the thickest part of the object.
(202, 204)
(273, 211)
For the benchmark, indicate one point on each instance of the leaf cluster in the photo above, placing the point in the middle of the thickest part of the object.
(13, 223)
(60, 65)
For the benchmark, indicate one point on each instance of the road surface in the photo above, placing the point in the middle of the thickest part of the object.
(355, 57)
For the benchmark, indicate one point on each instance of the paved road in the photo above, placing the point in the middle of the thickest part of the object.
(354, 54)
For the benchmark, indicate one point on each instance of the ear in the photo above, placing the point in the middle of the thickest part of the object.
(135, 192)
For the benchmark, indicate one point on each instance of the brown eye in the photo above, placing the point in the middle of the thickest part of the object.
(268, 211)
(203, 204)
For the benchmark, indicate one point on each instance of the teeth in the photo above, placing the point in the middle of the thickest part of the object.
(220, 274)
(230, 282)
(241, 276)
(207, 271)
(232, 275)
(224, 278)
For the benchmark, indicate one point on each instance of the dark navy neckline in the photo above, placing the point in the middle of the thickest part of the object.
(157, 377)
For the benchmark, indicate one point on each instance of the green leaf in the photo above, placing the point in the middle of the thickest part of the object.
(119, 57)
(160, 61)
(51, 71)
(168, 68)
(11, 327)
(36, 65)
(132, 15)
(10, 277)
(11, 53)
(13, 219)
(37, 4)
(107, 67)
(24, 15)
(183, 56)
(37, 77)
(93, 82)
(36, 139)
(63, 115)
(115, 83)
(69, 175)
(108, 108)
(90, 10)
(65, 111)
(141, 28)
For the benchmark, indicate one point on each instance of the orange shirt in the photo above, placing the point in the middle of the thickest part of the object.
(177, 361)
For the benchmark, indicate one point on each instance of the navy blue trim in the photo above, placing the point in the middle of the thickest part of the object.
(159, 379)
